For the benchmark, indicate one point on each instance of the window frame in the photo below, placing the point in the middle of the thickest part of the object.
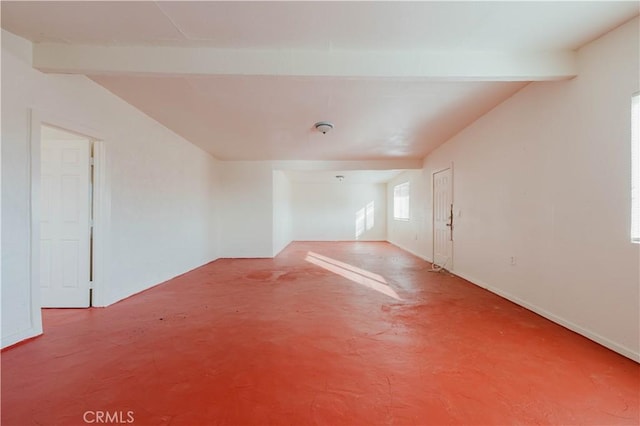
(402, 212)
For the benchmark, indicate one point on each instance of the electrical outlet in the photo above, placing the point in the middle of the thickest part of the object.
(513, 261)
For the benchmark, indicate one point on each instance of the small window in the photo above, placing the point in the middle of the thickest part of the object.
(401, 201)
(635, 168)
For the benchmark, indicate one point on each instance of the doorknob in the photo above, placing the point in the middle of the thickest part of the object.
(448, 224)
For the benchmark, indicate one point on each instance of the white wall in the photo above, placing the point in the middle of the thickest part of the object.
(256, 217)
(411, 235)
(545, 177)
(18, 319)
(247, 214)
(328, 211)
(163, 191)
(282, 219)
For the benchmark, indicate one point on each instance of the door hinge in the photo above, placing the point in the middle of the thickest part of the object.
(91, 161)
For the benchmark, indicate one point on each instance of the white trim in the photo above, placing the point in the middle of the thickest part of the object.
(453, 219)
(101, 207)
(33, 176)
(435, 171)
(275, 254)
(396, 198)
(20, 336)
(101, 220)
(622, 350)
(635, 169)
(118, 298)
(400, 246)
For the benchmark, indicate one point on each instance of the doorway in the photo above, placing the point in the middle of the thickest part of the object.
(443, 219)
(66, 197)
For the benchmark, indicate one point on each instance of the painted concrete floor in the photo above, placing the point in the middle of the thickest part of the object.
(326, 333)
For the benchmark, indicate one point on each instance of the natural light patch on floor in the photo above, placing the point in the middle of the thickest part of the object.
(353, 273)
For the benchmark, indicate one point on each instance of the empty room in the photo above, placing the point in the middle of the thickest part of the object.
(320, 213)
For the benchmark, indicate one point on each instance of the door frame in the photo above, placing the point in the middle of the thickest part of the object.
(433, 225)
(100, 201)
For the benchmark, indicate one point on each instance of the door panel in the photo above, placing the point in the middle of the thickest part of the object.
(65, 223)
(443, 218)
(70, 193)
(45, 263)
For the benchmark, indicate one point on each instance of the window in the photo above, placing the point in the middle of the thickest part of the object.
(635, 168)
(401, 201)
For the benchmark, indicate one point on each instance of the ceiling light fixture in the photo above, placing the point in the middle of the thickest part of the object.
(323, 126)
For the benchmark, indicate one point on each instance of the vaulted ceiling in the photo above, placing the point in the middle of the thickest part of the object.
(247, 80)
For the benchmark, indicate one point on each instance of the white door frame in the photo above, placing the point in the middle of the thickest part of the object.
(433, 240)
(100, 206)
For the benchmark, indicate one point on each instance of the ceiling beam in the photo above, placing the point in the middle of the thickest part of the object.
(308, 165)
(441, 65)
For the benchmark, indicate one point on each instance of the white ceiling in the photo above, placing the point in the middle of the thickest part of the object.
(248, 116)
(253, 117)
(484, 25)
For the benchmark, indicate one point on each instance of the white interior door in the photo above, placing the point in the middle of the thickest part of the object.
(65, 223)
(443, 218)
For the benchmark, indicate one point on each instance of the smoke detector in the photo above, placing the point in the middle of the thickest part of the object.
(323, 126)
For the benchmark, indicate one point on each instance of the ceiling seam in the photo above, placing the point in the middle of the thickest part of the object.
(176, 26)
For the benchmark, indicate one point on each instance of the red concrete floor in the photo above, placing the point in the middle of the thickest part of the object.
(303, 339)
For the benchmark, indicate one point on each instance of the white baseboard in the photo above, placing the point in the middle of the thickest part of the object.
(400, 246)
(20, 336)
(622, 350)
(118, 298)
(276, 253)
